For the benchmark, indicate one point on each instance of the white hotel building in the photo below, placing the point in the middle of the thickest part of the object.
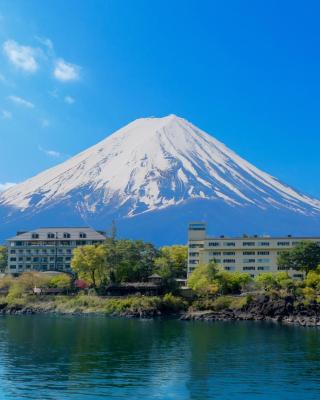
(48, 249)
(250, 254)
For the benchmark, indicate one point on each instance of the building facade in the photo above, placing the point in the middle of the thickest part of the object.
(253, 255)
(48, 249)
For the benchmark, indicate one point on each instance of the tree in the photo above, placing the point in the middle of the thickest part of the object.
(3, 258)
(305, 256)
(203, 279)
(89, 262)
(232, 282)
(132, 260)
(274, 281)
(172, 261)
(61, 281)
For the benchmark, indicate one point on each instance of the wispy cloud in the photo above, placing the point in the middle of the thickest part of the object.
(50, 153)
(5, 114)
(21, 102)
(65, 71)
(45, 42)
(69, 99)
(23, 57)
(6, 185)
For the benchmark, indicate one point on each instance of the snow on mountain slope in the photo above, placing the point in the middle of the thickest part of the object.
(151, 164)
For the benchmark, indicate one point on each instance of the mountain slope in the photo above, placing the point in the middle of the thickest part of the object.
(148, 166)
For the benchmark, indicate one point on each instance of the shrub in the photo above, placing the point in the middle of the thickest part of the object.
(173, 303)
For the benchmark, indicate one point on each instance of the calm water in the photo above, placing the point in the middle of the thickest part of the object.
(49, 357)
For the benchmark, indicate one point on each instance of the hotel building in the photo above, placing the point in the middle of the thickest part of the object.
(250, 254)
(47, 249)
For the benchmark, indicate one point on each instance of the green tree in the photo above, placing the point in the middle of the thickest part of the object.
(89, 263)
(203, 280)
(172, 262)
(61, 281)
(3, 258)
(232, 282)
(274, 281)
(132, 260)
(305, 256)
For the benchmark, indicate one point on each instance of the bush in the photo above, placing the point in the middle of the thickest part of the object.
(173, 303)
(15, 294)
(222, 303)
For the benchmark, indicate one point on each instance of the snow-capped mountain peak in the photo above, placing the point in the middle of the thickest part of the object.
(152, 164)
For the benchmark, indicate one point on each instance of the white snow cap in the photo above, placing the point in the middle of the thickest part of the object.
(153, 163)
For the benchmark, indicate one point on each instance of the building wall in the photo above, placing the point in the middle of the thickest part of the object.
(252, 255)
(47, 248)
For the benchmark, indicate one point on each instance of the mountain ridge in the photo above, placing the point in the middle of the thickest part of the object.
(147, 166)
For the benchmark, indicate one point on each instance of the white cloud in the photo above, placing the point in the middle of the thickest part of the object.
(21, 102)
(6, 185)
(65, 71)
(69, 100)
(22, 57)
(50, 153)
(5, 114)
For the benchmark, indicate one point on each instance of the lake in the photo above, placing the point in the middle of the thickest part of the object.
(60, 357)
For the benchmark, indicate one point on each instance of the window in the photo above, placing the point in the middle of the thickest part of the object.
(263, 253)
(263, 244)
(260, 268)
(194, 262)
(295, 243)
(13, 259)
(263, 260)
(214, 244)
(283, 243)
(194, 254)
(13, 266)
(230, 244)
(248, 253)
(20, 266)
(249, 260)
(35, 236)
(229, 253)
(20, 258)
(194, 246)
(229, 260)
(28, 258)
(66, 235)
(298, 276)
(283, 268)
(28, 266)
(82, 235)
(217, 260)
(35, 259)
(12, 252)
(50, 235)
(229, 268)
(215, 253)
(248, 268)
(248, 244)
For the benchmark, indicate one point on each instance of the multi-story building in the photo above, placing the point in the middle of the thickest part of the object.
(47, 249)
(250, 254)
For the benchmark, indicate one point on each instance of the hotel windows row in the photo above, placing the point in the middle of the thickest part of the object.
(233, 253)
(65, 235)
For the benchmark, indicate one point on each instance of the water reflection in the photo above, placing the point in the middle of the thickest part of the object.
(52, 357)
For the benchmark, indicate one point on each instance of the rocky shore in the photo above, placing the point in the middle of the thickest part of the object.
(263, 308)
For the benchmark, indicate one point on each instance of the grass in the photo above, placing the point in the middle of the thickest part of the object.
(86, 304)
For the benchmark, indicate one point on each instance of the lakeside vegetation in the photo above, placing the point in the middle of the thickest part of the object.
(117, 262)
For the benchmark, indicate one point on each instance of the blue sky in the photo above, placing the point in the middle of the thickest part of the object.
(247, 72)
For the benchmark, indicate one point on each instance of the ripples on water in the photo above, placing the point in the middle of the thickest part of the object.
(51, 357)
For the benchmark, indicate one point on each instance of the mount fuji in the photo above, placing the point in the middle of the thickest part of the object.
(152, 177)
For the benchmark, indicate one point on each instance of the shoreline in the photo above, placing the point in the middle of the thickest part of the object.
(263, 308)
